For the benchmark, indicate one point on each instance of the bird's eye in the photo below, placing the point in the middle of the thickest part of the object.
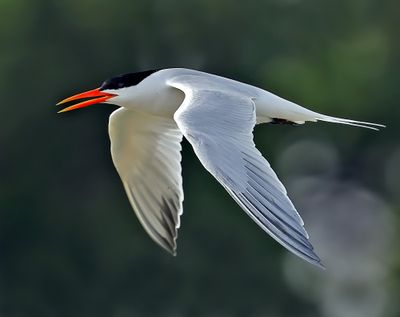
(120, 85)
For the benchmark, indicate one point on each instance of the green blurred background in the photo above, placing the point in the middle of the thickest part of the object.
(70, 244)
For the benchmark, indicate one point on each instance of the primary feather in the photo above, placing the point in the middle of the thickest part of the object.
(146, 153)
(224, 144)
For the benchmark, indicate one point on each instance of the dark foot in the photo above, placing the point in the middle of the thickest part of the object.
(282, 121)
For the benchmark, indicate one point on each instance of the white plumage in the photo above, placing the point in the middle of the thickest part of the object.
(217, 116)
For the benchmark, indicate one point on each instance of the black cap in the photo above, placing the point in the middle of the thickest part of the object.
(126, 80)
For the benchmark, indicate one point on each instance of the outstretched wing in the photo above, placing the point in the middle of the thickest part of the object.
(218, 121)
(146, 153)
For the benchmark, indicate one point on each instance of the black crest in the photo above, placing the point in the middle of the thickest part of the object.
(126, 80)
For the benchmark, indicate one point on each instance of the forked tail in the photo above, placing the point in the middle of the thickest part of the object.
(272, 108)
(362, 124)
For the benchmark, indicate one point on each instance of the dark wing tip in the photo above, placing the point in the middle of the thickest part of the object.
(311, 257)
(170, 247)
(318, 263)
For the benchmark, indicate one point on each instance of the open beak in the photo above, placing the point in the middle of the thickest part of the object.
(96, 95)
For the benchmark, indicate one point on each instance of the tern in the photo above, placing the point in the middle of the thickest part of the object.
(217, 116)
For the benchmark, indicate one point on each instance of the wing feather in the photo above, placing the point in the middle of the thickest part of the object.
(146, 153)
(218, 122)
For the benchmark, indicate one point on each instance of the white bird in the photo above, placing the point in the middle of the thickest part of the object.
(217, 116)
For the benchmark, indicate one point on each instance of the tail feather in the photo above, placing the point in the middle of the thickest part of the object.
(361, 124)
(271, 108)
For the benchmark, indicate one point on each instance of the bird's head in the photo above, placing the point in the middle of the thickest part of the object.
(119, 90)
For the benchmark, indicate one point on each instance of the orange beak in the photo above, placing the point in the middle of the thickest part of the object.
(97, 97)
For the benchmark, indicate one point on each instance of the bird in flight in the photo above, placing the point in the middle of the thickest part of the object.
(217, 116)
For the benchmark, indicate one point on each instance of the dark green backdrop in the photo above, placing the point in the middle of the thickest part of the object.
(70, 244)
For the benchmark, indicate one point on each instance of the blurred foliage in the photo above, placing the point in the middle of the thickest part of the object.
(70, 244)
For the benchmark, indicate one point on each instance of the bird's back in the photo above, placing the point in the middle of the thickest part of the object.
(268, 106)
